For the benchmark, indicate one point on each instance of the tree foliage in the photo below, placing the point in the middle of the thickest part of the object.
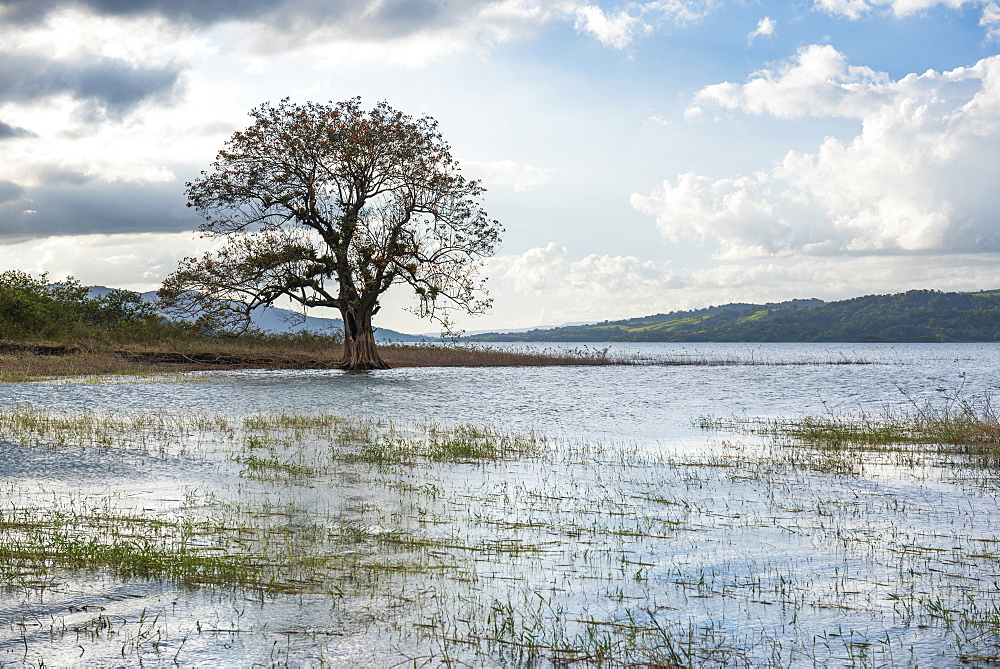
(329, 205)
(34, 308)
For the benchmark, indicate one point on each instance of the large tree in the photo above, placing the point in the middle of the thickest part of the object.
(329, 205)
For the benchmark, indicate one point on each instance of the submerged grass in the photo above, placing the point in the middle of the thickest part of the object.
(955, 424)
(473, 545)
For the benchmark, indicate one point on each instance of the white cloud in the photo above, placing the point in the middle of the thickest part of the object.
(991, 20)
(855, 9)
(679, 11)
(520, 176)
(460, 27)
(139, 40)
(818, 82)
(133, 261)
(764, 28)
(736, 212)
(834, 278)
(617, 30)
(920, 178)
(545, 286)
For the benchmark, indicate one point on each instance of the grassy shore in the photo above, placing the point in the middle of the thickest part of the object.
(21, 361)
(39, 360)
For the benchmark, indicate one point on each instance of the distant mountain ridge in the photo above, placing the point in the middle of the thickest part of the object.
(273, 319)
(916, 315)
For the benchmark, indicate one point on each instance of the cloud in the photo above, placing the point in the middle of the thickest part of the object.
(8, 131)
(508, 173)
(991, 20)
(187, 11)
(110, 86)
(765, 27)
(70, 208)
(614, 30)
(735, 212)
(818, 82)
(133, 261)
(619, 28)
(292, 20)
(547, 271)
(545, 286)
(834, 278)
(106, 68)
(855, 9)
(9, 191)
(679, 11)
(918, 179)
(427, 28)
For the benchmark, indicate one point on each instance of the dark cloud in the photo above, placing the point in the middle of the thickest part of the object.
(93, 208)
(182, 11)
(112, 86)
(389, 18)
(9, 191)
(8, 131)
(399, 17)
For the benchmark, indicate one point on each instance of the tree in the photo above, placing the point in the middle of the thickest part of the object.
(36, 308)
(329, 205)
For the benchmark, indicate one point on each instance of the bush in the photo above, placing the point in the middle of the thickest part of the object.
(37, 309)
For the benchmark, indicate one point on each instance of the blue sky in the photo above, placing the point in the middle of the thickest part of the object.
(643, 156)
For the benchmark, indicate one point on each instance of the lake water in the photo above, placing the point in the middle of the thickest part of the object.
(641, 404)
(743, 563)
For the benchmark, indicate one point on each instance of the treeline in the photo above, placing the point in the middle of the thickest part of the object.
(917, 315)
(35, 309)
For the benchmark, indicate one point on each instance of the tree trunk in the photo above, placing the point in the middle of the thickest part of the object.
(360, 352)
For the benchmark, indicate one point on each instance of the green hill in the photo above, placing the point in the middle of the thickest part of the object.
(917, 315)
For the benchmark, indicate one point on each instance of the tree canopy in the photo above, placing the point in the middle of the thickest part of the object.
(34, 308)
(329, 205)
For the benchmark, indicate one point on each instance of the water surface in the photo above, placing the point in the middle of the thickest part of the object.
(753, 551)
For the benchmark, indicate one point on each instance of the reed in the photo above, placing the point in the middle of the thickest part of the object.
(953, 424)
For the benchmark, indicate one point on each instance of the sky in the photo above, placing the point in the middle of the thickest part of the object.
(643, 157)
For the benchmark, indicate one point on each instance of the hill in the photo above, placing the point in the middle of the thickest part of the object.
(916, 315)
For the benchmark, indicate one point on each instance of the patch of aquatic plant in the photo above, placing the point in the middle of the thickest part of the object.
(30, 426)
(271, 467)
(39, 543)
(461, 444)
(504, 548)
(952, 424)
(535, 633)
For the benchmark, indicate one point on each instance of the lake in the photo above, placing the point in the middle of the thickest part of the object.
(339, 519)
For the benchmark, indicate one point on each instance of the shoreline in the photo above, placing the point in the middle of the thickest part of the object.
(37, 361)
(31, 361)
